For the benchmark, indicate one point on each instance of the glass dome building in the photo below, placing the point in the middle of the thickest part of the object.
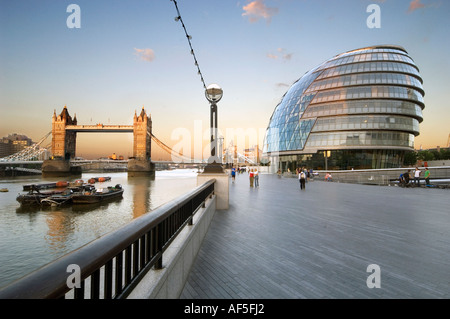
(361, 109)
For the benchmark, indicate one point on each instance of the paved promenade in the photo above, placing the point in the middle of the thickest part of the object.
(278, 242)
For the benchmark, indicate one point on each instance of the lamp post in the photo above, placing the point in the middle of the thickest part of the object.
(213, 94)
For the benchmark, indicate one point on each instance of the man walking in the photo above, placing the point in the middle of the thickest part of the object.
(427, 177)
(417, 177)
(302, 178)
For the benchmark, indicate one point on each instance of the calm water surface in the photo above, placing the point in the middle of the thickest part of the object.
(31, 238)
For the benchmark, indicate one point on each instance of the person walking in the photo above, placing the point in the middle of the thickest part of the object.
(427, 177)
(417, 176)
(256, 176)
(252, 177)
(233, 174)
(302, 178)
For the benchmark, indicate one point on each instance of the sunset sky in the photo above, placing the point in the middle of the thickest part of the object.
(130, 54)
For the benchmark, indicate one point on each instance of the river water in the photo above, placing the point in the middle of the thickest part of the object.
(33, 237)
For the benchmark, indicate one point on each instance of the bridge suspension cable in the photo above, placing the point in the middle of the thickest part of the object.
(28, 153)
(168, 149)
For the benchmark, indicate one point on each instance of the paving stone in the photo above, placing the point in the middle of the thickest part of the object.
(279, 242)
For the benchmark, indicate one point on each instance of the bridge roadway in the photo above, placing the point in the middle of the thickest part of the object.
(278, 242)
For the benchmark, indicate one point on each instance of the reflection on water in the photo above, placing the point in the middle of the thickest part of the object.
(141, 195)
(31, 237)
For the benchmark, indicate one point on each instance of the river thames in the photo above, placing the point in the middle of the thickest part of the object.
(33, 237)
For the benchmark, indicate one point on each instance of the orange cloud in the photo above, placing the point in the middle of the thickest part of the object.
(256, 10)
(284, 56)
(414, 5)
(145, 54)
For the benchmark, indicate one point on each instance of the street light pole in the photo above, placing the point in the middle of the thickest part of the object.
(213, 127)
(213, 94)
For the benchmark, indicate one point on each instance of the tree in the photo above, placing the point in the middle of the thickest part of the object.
(445, 154)
(425, 155)
(410, 158)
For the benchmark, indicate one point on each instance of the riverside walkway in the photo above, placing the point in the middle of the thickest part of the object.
(278, 242)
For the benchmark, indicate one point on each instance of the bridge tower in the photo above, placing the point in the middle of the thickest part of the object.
(63, 146)
(142, 130)
(63, 142)
(141, 163)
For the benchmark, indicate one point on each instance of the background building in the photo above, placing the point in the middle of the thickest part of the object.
(360, 109)
(13, 143)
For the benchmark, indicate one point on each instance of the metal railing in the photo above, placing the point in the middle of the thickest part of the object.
(112, 265)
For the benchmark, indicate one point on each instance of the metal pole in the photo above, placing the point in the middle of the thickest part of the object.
(213, 131)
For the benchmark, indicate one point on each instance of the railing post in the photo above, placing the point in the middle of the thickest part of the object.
(159, 243)
(119, 272)
(191, 219)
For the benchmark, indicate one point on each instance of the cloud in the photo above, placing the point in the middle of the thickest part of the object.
(145, 54)
(281, 54)
(287, 56)
(256, 10)
(414, 5)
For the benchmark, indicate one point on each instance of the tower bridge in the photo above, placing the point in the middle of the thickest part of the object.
(64, 134)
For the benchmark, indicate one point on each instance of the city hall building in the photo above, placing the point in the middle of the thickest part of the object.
(359, 110)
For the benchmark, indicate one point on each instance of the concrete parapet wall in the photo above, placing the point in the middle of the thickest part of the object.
(382, 176)
(168, 282)
(221, 187)
(378, 176)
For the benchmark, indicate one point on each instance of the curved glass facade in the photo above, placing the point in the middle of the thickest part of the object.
(367, 101)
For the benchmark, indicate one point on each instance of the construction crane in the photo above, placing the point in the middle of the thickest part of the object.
(448, 140)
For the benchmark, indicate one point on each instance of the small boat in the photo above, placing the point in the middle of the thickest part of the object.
(60, 184)
(35, 196)
(4, 190)
(58, 199)
(98, 195)
(66, 197)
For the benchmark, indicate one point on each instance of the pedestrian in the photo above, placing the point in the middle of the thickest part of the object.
(417, 176)
(407, 176)
(252, 177)
(401, 179)
(302, 178)
(256, 175)
(233, 174)
(427, 177)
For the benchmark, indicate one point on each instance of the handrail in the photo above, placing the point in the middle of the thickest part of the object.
(117, 260)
